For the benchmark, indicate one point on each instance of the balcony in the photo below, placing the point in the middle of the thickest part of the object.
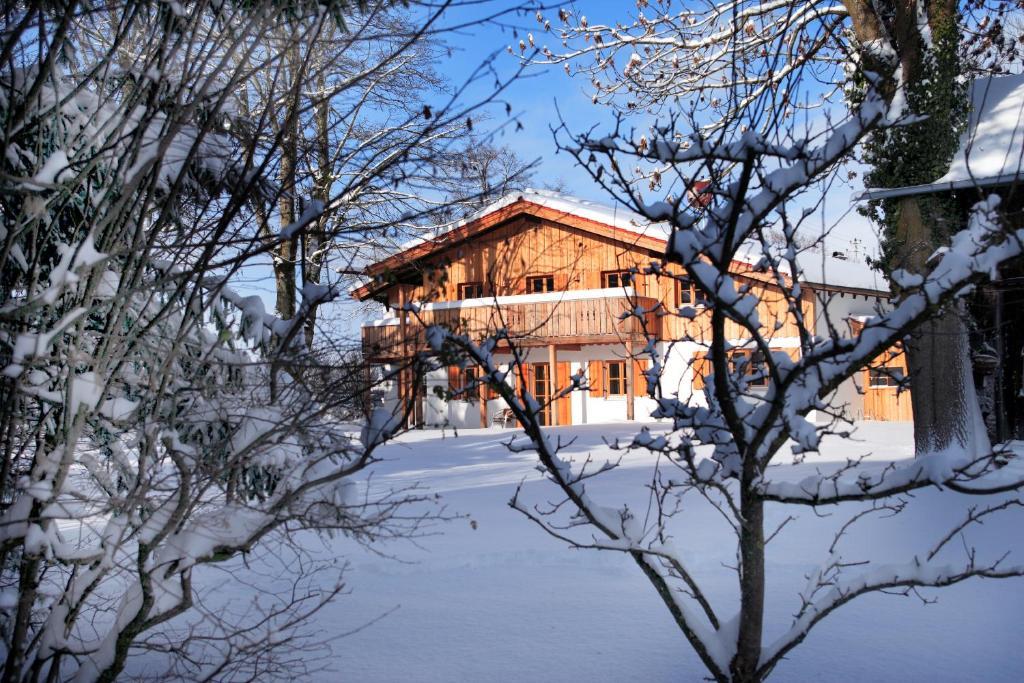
(560, 318)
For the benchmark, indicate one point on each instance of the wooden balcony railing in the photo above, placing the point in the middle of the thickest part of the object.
(574, 319)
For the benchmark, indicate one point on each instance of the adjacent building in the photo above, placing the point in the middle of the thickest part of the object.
(990, 160)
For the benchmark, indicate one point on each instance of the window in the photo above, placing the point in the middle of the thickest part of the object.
(885, 377)
(540, 283)
(617, 278)
(461, 380)
(616, 372)
(471, 290)
(751, 364)
(689, 294)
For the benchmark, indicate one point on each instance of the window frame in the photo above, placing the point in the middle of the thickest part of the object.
(606, 276)
(547, 278)
(467, 377)
(694, 295)
(621, 379)
(463, 286)
(754, 363)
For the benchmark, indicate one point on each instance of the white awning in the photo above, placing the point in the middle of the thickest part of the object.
(991, 151)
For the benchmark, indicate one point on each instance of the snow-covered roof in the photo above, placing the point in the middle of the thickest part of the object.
(991, 148)
(615, 216)
(850, 272)
(819, 265)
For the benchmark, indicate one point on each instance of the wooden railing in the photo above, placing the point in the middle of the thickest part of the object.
(568, 321)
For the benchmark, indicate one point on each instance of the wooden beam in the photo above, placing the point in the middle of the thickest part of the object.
(403, 393)
(630, 380)
(552, 368)
(483, 405)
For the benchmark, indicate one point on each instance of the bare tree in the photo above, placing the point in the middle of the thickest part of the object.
(772, 174)
(361, 122)
(155, 418)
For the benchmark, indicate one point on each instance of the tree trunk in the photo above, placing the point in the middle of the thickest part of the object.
(285, 253)
(946, 412)
(751, 626)
(314, 255)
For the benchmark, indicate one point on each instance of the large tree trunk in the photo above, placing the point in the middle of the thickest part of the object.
(946, 413)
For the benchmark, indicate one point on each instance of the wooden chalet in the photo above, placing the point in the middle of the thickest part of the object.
(554, 271)
(990, 159)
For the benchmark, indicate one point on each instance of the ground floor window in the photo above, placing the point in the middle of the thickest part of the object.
(541, 381)
(752, 365)
(461, 379)
(615, 370)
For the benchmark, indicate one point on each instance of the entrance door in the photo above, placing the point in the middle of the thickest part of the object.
(540, 387)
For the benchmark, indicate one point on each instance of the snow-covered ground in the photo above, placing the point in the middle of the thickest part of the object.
(492, 598)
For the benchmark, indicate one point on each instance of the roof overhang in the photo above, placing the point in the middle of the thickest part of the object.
(991, 149)
(410, 257)
(936, 187)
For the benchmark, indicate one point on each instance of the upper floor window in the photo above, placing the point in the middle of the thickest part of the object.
(540, 283)
(617, 278)
(616, 373)
(885, 377)
(751, 364)
(689, 294)
(471, 290)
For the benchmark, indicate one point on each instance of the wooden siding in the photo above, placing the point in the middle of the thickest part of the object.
(503, 258)
(772, 309)
(888, 403)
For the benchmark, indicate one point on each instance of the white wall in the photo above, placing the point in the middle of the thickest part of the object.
(464, 414)
(435, 412)
(836, 309)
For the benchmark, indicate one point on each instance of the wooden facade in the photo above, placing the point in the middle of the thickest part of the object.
(885, 384)
(559, 283)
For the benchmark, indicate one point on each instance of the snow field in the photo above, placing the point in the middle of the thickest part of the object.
(493, 598)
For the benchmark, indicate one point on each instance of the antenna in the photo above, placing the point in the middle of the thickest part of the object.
(855, 246)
